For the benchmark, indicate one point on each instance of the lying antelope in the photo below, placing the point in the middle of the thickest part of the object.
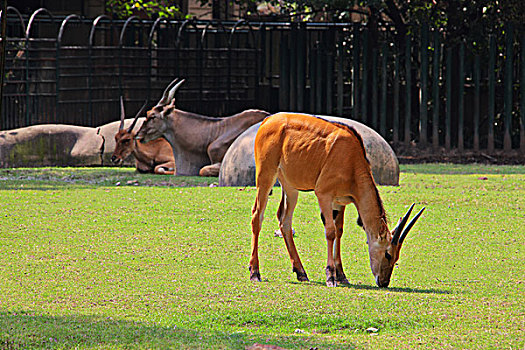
(309, 153)
(196, 140)
(154, 157)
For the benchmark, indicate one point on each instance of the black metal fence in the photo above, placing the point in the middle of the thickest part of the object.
(70, 70)
(463, 96)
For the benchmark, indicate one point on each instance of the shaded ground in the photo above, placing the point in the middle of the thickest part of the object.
(415, 155)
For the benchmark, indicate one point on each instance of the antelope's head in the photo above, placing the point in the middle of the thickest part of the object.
(124, 138)
(156, 123)
(384, 252)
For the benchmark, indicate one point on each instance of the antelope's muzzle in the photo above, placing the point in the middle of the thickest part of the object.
(382, 283)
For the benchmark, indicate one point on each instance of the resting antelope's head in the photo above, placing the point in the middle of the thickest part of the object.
(156, 124)
(384, 252)
(124, 138)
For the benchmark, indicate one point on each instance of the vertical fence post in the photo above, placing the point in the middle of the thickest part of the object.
(492, 92)
(382, 123)
(507, 97)
(461, 97)
(328, 54)
(57, 82)
(329, 78)
(284, 76)
(312, 69)
(397, 69)
(448, 108)
(319, 80)
(435, 90)
(355, 71)
(364, 90)
(340, 81)
(423, 121)
(477, 99)
(90, 81)
(2, 59)
(408, 92)
(262, 55)
(301, 66)
(522, 95)
(26, 80)
(374, 87)
(292, 65)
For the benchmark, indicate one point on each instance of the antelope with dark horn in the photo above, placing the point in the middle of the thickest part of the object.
(309, 153)
(155, 157)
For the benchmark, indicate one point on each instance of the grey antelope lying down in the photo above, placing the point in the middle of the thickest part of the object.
(309, 153)
(152, 157)
(199, 143)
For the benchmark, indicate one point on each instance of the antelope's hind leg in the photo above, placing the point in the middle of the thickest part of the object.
(285, 215)
(339, 220)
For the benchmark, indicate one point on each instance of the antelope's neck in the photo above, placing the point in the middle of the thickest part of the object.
(371, 211)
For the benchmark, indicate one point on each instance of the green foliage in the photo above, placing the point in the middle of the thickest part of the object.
(461, 20)
(87, 264)
(151, 9)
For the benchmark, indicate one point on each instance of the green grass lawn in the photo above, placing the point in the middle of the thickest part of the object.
(110, 259)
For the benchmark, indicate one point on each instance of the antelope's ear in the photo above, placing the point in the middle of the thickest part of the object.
(167, 111)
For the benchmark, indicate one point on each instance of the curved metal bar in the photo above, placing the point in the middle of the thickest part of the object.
(182, 28)
(234, 29)
(19, 15)
(94, 27)
(90, 62)
(33, 16)
(150, 48)
(125, 26)
(205, 30)
(63, 26)
(154, 28)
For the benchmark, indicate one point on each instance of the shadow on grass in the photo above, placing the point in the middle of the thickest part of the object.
(22, 330)
(372, 287)
(27, 330)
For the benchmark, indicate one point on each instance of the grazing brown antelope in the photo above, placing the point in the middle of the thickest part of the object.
(153, 157)
(309, 153)
(197, 140)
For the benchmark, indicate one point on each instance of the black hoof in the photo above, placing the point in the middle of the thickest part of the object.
(331, 282)
(301, 276)
(340, 277)
(255, 276)
(330, 277)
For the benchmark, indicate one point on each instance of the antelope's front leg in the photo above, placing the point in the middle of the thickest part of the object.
(255, 275)
(325, 203)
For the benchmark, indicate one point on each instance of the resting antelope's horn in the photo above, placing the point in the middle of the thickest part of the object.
(138, 115)
(122, 114)
(174, 89)
(164, 100)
